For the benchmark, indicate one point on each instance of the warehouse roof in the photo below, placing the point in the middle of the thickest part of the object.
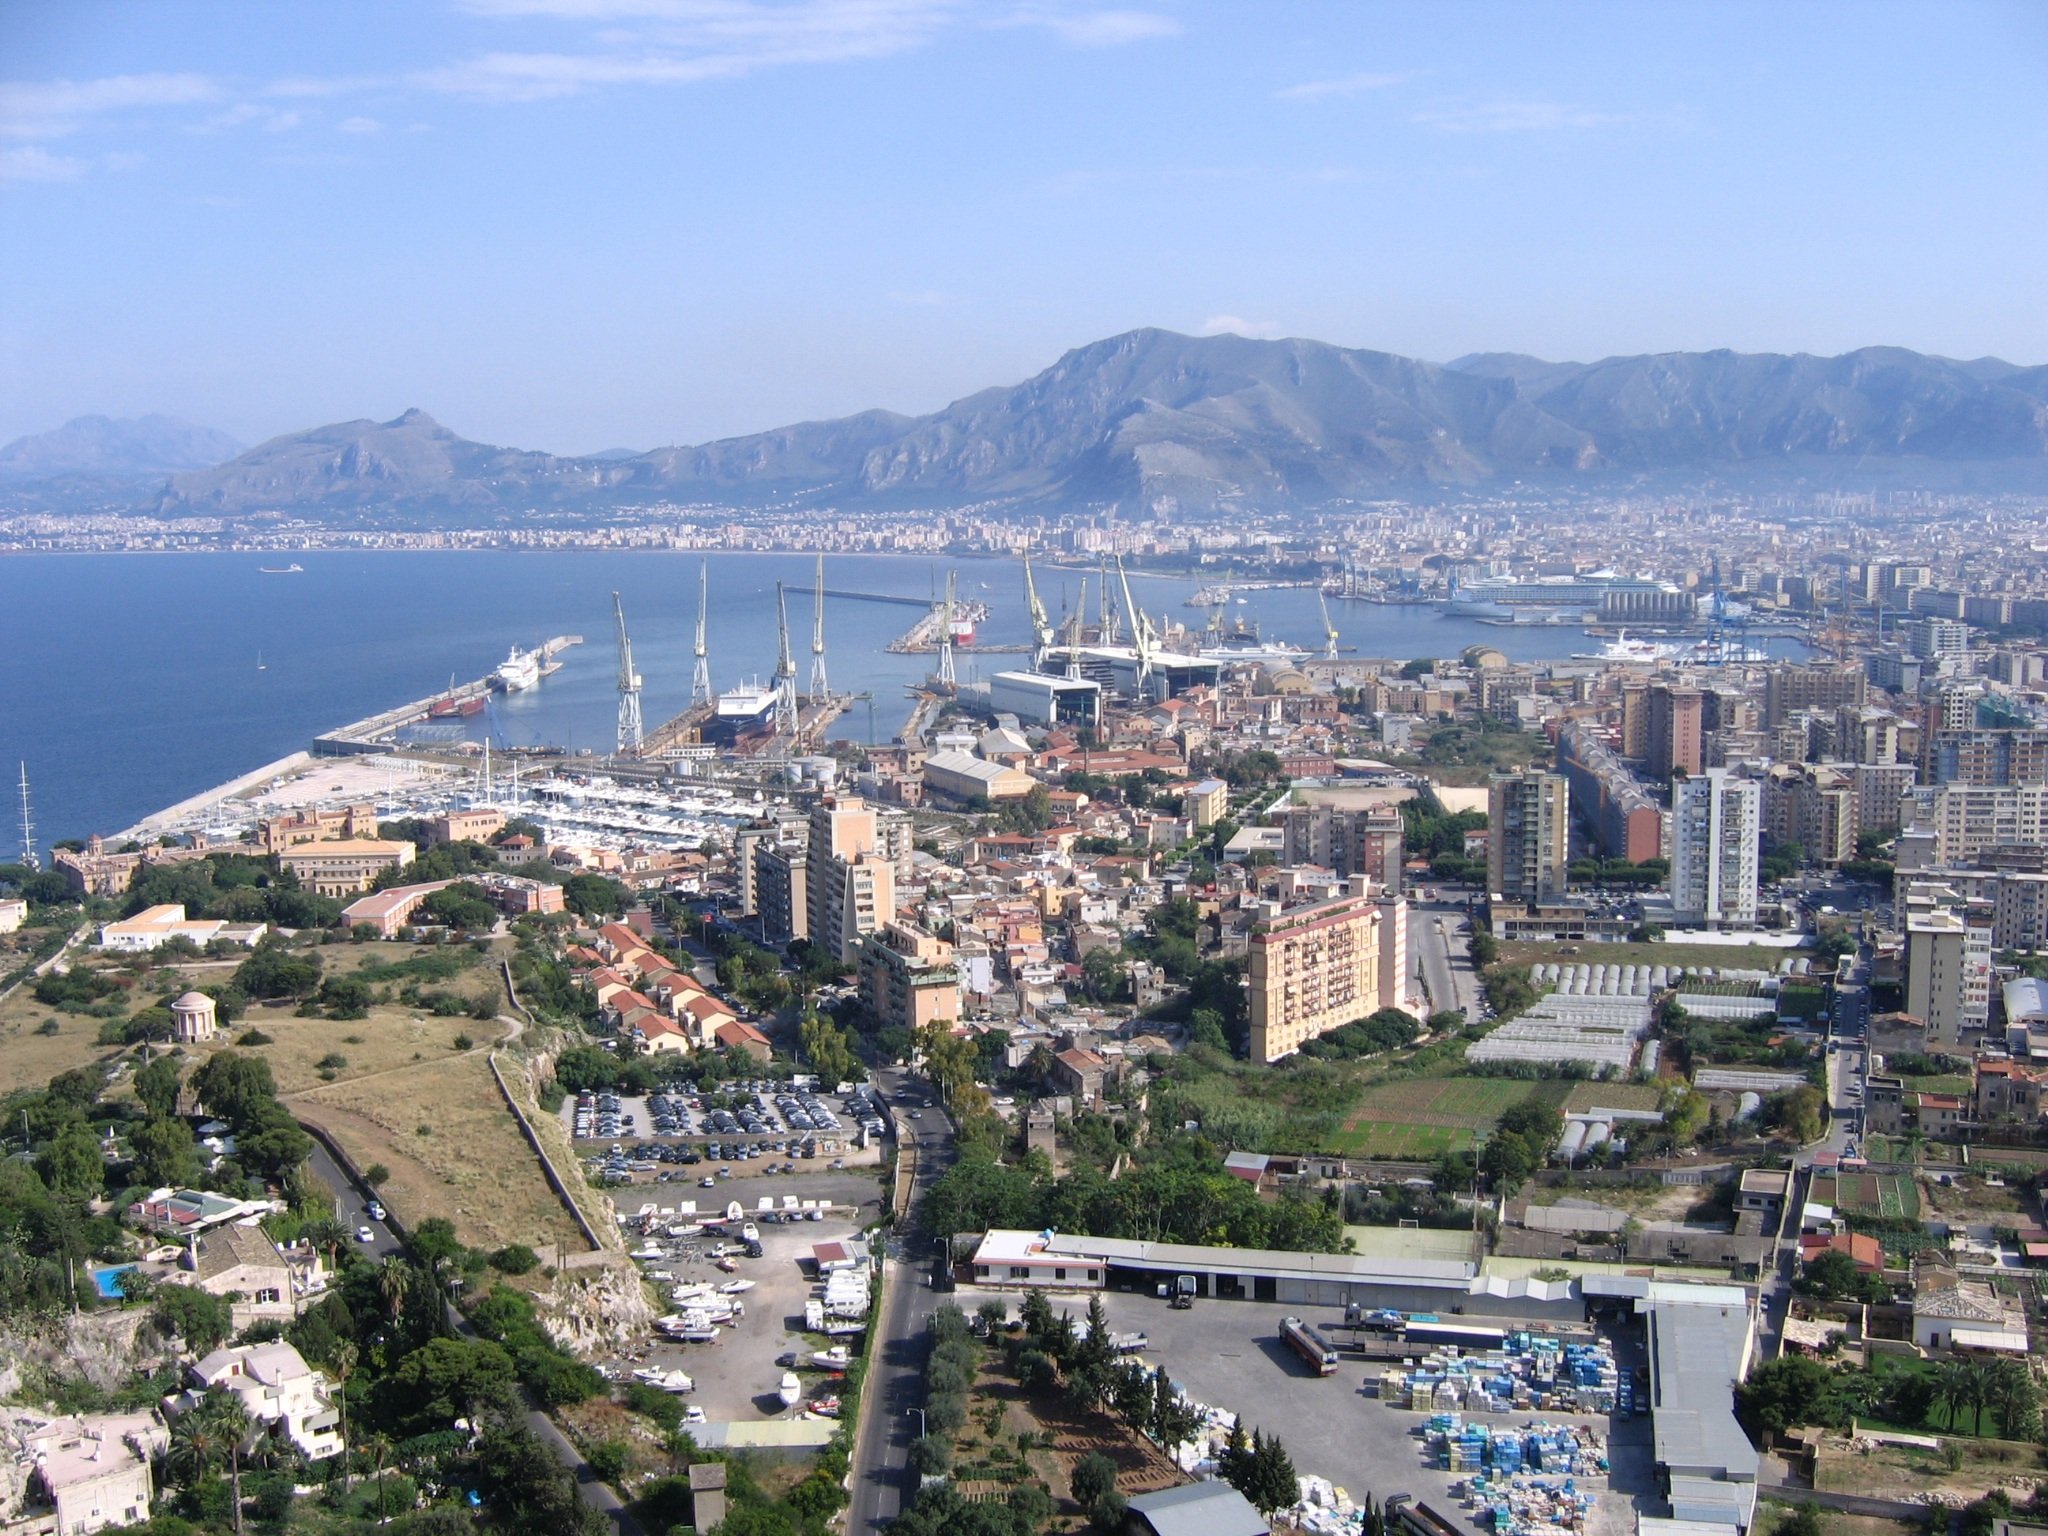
(1199, 1509)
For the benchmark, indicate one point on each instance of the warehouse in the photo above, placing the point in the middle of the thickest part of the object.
(1041, 699)
(962, 777)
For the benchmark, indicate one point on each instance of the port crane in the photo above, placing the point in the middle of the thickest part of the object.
(630, 731)
(1074, 627)
(1106, 631)
(948, 679)
(1041, 624)
(1143, 641)
(1329, 629)
(785, 670)
(819, 687)
(700, 679)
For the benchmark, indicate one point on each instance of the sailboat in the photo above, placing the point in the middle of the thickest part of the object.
(260, 667)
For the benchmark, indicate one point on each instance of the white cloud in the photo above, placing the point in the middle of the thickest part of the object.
(29, 162)
(1343, 85)
(1518, 117)
(42, 109)
(1237, 325)
(359, 125)
(1095, 29)
(244, 114)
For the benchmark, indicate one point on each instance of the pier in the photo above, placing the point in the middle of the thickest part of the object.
(922, 638)
(365, 737)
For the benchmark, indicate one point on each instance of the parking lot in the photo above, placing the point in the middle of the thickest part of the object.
(736, 1376)
(762, 1127)
(1228, 1354)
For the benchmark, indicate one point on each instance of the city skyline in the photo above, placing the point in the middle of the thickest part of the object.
(582, 224)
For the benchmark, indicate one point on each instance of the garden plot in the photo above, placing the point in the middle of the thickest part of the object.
(1420, 1117)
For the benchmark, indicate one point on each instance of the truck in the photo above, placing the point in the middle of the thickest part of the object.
(1183, 1292)
(1308, 1343)
(1128, 1343)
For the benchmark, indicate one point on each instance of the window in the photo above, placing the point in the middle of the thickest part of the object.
(1059, 1274)
(1019, 1272)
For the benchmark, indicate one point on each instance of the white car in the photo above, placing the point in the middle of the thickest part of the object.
(365, 1235)
(693, 1415)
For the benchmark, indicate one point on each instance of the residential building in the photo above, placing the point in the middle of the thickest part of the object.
(908, 978)
(1933, 639)
(2019, 912)
(1673, 736)
(1347, 840)
(782, 892)
(1207, 802)
(1318, 967)
(1614, 807)
(13, 913)
(262, 1281)
(1715, 823)
(1968, 820)
(158, 925)
(1790, 689)
(851, 879)
(94, 1471)
(1528, 837)
(1989, 757)
(279, 1390)
(347, 867)
(466, 826)
(1948, 975)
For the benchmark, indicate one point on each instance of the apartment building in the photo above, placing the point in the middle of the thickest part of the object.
(1318, 967)
(1615, 808)
(1348, 840)
(1715, 823)
(1948, 974)
(851, 877)
(1673, 735)
(908, 978)
(1791, 689)
(1528, 835)
(1966, 820)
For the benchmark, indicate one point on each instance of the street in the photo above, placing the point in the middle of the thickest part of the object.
(895, 1383)
(1439, 954)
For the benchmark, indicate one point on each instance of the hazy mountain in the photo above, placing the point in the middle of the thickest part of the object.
(1154, 419)
(102, 448)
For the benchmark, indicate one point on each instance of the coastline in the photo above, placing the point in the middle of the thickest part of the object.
(158, 822)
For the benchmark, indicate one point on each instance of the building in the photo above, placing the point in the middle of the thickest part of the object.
(158, 925)
(193, 1020)
(1989, 757)
(967, 779)
(1933, 639)
(1968, 820)
(263, 1283)
(1624, 821)
(1528, 837)
(390, 911)
(13, 913)
(1962, 1316)
(277, 833)
(1348, 840)
(1715, 822)
(1207, 802)
(279, 1390)
(94, 1471)
(466, 826)
(782, 890)
(2019, 912)
(1948, 975)
(1212, 1508)
(908, 978)
(1813, 806)
(1318, 967)
(347, 867)
(1673, 736)
(850, 876)
(1792, 689)
(1039, 698)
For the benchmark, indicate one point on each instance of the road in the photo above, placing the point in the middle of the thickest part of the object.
(894, 1391)
(348, 1207)
(1439, 953)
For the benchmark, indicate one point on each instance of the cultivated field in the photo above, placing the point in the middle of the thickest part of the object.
(1589, 1096)
(1869, 1194)
(1420, 1117)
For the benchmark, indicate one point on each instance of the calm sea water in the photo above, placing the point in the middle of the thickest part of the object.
(129, 682)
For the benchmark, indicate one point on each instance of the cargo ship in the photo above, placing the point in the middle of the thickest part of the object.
(452, 708)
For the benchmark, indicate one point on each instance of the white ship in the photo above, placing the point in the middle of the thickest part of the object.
(1629, 652)
(519, 671)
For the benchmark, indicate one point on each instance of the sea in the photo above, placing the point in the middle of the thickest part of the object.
(129, 682)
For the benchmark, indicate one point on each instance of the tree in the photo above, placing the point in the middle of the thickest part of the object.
(448, 1379)
(1205, 1027)
(1784, 1394)
(234, 1086)
(2010, 1388)
(346, 997)
(198, 1317)
(275, 971)
(71, 1166)
(434, 1242)
(593, 896)
(828, 1048)
(1271, 1484)
(156, 1085)
(165, 1154)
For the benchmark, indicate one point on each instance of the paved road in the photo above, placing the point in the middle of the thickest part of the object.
(1439, 953)
(895, 1386)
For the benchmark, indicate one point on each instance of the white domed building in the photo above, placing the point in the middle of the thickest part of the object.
(192, 1019)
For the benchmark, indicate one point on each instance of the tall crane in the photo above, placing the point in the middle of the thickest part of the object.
(1329, 629)
(700, 680)
(1074, 626)
(629, 686)
(819, 687)
(947, 676)
(1041, 625)
(785, 670)
(1141, 627)
(1106, 631)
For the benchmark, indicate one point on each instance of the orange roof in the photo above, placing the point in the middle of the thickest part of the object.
(1867, 1252)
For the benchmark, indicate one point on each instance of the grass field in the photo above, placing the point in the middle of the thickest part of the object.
(1420, 1117)
(1587, 1096)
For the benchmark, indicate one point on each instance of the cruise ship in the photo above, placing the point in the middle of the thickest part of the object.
(519, 671)
(1568, 599)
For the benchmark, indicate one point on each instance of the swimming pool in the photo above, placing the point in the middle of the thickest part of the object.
(108, 1281)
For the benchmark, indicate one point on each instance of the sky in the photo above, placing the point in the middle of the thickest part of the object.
(584, 224)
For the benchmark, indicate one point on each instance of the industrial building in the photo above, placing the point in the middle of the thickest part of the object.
(1039, 698)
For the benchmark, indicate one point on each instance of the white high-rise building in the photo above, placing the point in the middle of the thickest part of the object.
(1948, 974)
(1715, 822)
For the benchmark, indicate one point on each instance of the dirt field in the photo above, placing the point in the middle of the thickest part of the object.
(1590, 1096)
(1897, 1471)
(472, 1165)
(1834, 1522)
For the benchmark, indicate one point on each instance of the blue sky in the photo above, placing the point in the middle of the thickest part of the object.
(577, 224)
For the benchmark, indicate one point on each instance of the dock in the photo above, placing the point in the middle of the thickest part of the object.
(365, 737)
(922, 638)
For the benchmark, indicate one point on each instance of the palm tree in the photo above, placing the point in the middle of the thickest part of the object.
(340, 1365)
(217, 1424)
(379, 1448)
(327, 1235)
(1951, 1387)
(394, 1282)
(1977, 1392)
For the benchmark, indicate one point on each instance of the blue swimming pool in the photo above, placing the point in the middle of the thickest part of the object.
(108, 1281)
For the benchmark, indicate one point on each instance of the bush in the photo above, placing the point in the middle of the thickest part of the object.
(930, 1456)
(607, 1459)
(515, 1259)
(252, 1037)
(375, 1174)
(464, 1043)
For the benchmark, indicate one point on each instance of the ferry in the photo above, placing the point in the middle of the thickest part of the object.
(279, 570)
(1542, 599)
(519, 671)
(1629, 652)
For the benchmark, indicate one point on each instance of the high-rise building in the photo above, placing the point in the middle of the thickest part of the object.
(1673, 739)
(1347, 840)
(1937, 639)
(1788, 689)
(782, 890)
(1948, 974)
(852, 875)
(908, 978)
(1989, 757)
(1528, 836)
(1968, 820)
(1318, 967)
(1624, 820)
(1715, 822)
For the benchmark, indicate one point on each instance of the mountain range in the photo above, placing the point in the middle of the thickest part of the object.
(101, 448)
(1205, 425)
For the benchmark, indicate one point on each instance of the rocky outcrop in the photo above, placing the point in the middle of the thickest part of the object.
(598, 1310)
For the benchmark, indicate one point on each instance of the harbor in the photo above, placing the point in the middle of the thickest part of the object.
(375, 734)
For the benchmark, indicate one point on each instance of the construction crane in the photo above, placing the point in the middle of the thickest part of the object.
(785, 670)
(1075, 623)
(1041, 625)
(629, 686)
(819, 688)
(947, 677)
(1329, 629)
(700, 680)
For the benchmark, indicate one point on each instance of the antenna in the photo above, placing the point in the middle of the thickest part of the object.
(1329, 629)
(629, 686)
(785, 670)
(819, 687)
(700, 680)
(28, 826)
(947, 677)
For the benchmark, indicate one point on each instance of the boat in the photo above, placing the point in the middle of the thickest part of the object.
(519, 671)
(963, 631)
(1629, 652)
(789, 1389)
(665, 1381)
(279, 570)
(837, 1358)
(825, 1407)
(736, 1287)
(1210, 597)
(260, 667)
